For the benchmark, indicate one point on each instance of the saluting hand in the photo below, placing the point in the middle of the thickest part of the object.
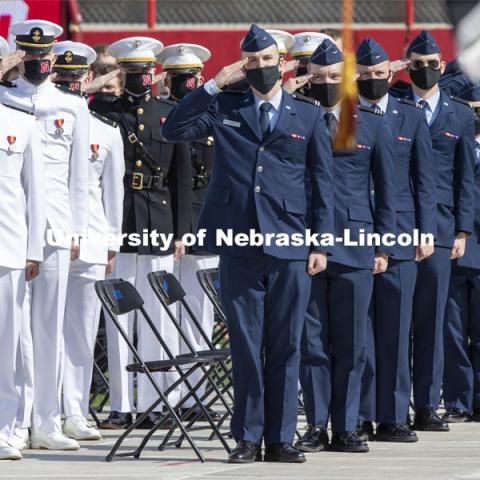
(97, 83)
(381, 263)
(10, 61)
(293, 84)
(231, 74)
(317, 262)
(32, 269)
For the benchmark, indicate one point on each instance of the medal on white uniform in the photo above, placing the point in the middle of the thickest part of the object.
(59, 123)
(11, 143)
(94, 147)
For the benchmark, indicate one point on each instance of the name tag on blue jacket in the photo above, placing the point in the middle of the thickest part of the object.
(231, 123)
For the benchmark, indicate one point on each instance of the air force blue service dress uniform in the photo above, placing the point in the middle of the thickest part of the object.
(258, 182)
(336, 323)
(63, 122)
(451, 125)
(386, 389)
(461, 380)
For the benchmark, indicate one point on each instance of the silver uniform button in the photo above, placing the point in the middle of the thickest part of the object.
(262, 148)
(257, 189)
(260, 169)
(372, 192)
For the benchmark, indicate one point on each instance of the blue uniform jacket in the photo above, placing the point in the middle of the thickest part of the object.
(372, 160)
(452, 134)
(258, 184)
(414, 174)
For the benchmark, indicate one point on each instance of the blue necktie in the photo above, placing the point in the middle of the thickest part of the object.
(426, 107)
(331, 121)
(265, 118)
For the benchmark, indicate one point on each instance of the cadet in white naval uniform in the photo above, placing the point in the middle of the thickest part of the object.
(184, 63)
(22, 227)
(82, 310)
(63, 124)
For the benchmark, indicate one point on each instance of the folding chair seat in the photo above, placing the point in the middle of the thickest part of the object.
(119, 297)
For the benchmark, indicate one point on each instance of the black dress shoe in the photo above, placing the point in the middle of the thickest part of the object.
(476, 415)
(427, 420)
(153, 419)
(455, 415)
(394, 432)
(116, 421)
(315, 439)
(348, 442)
(365, 431)
(188, 414)
(245, 452)
(283, 453)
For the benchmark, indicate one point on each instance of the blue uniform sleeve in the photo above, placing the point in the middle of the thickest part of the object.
(320, 170)
(192, 119)
(383, 174)
(424, 182)
(464, 180)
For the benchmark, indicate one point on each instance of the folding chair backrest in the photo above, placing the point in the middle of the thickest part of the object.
(168, 287)
(119, 295)
(209, 280)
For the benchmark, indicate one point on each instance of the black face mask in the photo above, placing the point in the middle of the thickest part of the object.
(71, 86)
(37, 71)
(263, 79)
(425, 78)
(104, 97)
(182, 85)
(325, 93)
(138, 83)
(373, 88)
(477, 125)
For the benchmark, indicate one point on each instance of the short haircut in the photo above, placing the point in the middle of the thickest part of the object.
(99, 68)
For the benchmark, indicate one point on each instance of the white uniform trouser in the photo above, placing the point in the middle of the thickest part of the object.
(202, 308)
(12, 292)
(48, 293)
(134, 268)
(25, 375)
(82, 315)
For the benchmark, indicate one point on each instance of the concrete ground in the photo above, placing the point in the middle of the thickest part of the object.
(437, 456)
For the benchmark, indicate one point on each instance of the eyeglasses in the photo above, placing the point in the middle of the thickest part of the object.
(430, 64)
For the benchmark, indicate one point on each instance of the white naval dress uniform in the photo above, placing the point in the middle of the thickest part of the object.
(63, 126)
(202, 308)
(82, 312)
(22, 229)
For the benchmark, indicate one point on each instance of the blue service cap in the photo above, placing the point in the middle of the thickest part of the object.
(327, 53)
(424, 44)
(370, 52)
(256, 39)
(465, 88)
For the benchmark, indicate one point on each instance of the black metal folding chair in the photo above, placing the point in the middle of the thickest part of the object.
(219, 380)
(119, 297)
(209, 280)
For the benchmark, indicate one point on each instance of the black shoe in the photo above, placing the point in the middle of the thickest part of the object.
(394, 432)
(348, 442)
(283, 453)
(455, 415)
(245, 452)
(427, 420)
(153, 419)
(365, 431)
(476, 415)
(187, 414)
(117, 421)
(315, 439)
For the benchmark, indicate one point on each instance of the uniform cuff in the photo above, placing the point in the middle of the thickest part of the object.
(211, 87)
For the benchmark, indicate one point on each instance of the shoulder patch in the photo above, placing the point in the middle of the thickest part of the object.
(407, 101)
(18, 109)
(104, 119)
(375, 111)
(460, 100)
(303, 98)
(7, 84)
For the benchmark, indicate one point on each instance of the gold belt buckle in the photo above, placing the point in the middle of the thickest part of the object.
(137, 181)
(132, 138)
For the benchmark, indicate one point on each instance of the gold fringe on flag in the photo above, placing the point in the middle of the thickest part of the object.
(345, 137)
